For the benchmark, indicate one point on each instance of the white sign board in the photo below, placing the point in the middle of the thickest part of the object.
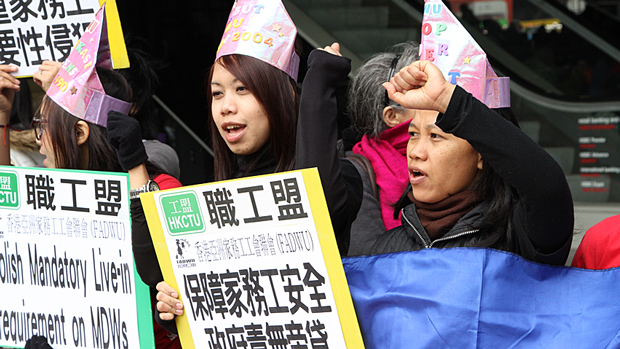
(66, 262)
(34, 31)
(255, 262)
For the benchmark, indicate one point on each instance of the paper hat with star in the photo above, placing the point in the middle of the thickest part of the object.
(447, 44)
(261, 29)
(76, 87)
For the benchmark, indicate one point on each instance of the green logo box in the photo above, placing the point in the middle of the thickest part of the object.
(182, 213)
(9, 192)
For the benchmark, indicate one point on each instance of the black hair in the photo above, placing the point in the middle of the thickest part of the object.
(143, 79)
(276, 93)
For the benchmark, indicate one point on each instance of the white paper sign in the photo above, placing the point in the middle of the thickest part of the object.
(66, 263)
(34, 31)
(250, 262)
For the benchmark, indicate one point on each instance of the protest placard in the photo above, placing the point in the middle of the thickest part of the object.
(34, 31)
(66, 262)
(255, 262)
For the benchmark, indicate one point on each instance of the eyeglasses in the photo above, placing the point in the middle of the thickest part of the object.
(38, 125)
(391, 73)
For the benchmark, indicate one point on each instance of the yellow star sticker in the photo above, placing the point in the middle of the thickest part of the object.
(276, 27)
(280, 34)
(467, 60)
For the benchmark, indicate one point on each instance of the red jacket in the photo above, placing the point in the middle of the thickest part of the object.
(600, 247)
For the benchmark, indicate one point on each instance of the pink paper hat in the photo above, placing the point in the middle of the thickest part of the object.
(447, 44)
(76, 87)
(261, 29)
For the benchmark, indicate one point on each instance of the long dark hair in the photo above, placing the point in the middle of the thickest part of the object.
(275, 91)
(494, 226)
(61, 130)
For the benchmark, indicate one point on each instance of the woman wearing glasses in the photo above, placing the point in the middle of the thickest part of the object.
(72, 143)
(69, 142)
(66, 140)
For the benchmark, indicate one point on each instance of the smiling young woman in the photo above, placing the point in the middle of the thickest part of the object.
(238, 116)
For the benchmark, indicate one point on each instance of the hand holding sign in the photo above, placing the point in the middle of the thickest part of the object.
(250, 255)
(46, 74)
(8, 85)
(168, 303)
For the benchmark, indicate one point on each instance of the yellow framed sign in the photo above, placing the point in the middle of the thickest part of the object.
(255, 261)
(34, 31)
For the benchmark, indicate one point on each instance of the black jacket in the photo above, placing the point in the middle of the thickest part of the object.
(541, 221)
(317, 138)
(411, 236)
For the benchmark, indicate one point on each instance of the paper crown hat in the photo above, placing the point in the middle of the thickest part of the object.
(261, 29)
(76, 87)
(447, 44)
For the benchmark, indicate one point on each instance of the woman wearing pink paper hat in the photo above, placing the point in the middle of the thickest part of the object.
(253, 104)
(252, 120)
(475, 179)
(253, 123)
(79, 126)
(68, 141)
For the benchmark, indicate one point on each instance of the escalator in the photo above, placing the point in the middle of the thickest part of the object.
(602, 22)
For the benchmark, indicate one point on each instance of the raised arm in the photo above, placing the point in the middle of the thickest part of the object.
(124, 136)
(8, 86)
(545, 204)
(317, 136)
